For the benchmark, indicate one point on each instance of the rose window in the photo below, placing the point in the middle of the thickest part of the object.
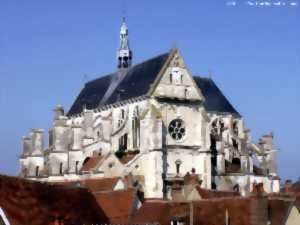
(177, 129)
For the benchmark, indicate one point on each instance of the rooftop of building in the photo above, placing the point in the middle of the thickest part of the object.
(135, 81)
(35, 203)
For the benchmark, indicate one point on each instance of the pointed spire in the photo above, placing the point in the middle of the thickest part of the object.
(124, 54)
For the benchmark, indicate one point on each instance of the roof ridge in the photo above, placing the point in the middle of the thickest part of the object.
(129, 68)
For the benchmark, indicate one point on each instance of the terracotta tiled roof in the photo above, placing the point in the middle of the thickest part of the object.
(91, 163)
(208, 212)
(94, 185)
(33, 203)
(240, 211)
(296, 186)
(152, 212)
(117, 205)
(278, 209)
(207, 193)
(104, 184)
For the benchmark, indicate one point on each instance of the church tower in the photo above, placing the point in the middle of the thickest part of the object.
(124, 54)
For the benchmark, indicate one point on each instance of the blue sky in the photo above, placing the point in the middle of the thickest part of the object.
(48, 49)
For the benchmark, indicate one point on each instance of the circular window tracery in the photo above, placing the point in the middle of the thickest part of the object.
(177, 129)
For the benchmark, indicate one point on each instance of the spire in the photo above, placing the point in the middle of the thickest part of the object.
(124, 54)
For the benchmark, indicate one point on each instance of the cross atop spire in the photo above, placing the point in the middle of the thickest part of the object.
(124, 54)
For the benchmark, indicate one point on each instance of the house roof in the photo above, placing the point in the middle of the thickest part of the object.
(296, 186)
(278, 210)
(30, 202)
(91, 163)
(151, 212)
(136, 81)
(208, 194)
(94, 185)
(104, 184)
(117, 205)
(124, 84)
(208, 212)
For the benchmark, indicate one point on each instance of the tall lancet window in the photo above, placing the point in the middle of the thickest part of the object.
(135, 128)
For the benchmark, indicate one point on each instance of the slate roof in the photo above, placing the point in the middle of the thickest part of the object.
(135, 82)
(121, 85)
(215, 99)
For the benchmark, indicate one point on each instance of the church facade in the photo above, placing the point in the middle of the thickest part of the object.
(157, 123)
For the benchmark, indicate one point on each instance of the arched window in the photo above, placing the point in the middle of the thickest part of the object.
(171, 78)
(178, 162)
(186, 93)
(76, 167)
(122, 113)
(135, 129)
(235, 128)
(37, 171)
(61, 168)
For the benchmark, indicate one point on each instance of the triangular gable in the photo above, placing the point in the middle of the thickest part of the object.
(110, 165)
(175, 81)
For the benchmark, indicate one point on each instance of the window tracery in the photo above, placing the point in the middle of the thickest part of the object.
(177, 129)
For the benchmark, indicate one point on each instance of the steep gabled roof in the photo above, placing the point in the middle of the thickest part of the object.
(117, 205)
(121, 85)
(91, 95)
(215, 101)
(91, 163)
(136, 81)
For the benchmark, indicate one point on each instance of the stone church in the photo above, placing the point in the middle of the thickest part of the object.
(155, 122)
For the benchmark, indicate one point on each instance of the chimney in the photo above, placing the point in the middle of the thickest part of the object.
(258, 188)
